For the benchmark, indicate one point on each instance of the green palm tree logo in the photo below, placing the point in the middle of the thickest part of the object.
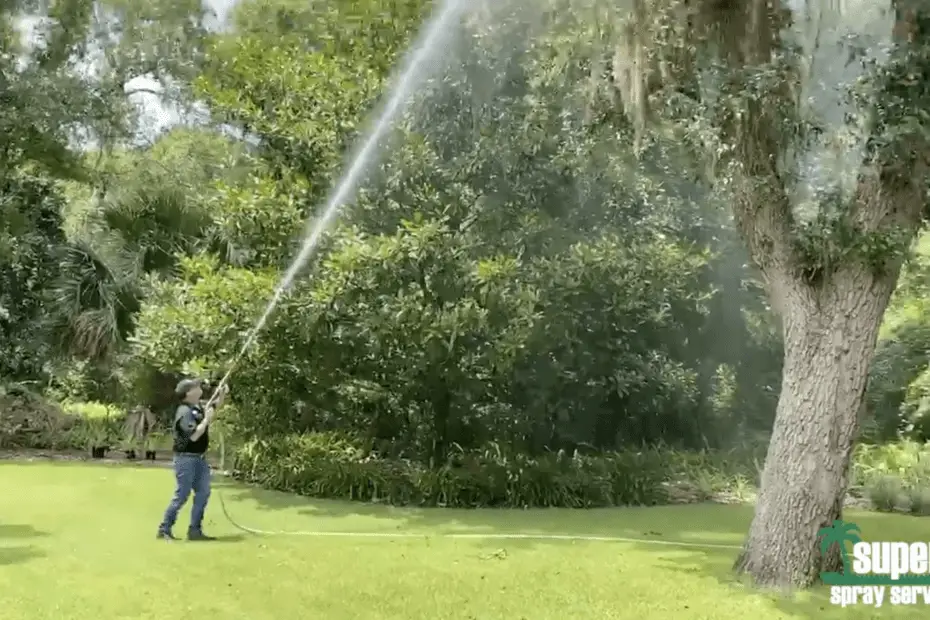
(839, 533)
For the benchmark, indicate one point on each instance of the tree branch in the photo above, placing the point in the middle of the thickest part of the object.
(755, 129)
(144, 90)
(763, 217)
(891, 191)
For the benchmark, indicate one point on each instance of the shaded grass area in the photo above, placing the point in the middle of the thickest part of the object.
(76, 541)
(16, 543)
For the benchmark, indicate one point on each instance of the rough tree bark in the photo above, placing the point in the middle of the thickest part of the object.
(829, 338)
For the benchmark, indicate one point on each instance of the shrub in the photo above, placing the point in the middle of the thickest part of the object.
(919, 500)
(328, 465)
(730, 476)
(29, 421)
(904, 460)
(93, 410)
(708, 485)
(885, 492)
(333, 466)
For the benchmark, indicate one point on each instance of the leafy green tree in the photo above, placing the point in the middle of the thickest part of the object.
(67, 79)
(538, 155)
(149, 207)
(732, 80)
(896, 396)
(29, 237)
(426, 333)
(609, 343)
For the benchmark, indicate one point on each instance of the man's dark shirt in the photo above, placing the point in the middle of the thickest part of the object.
(186, 419)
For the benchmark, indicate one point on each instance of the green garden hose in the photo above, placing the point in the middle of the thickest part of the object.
(462, 536)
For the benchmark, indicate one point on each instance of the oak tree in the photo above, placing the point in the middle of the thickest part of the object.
(738, 82)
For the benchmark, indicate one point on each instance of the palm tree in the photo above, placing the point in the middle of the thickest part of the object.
(145, 213)
(839, 533)
(94, 298)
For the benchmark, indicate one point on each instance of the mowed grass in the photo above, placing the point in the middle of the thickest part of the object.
(77, 542)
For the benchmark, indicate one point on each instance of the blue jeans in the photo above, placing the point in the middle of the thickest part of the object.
(192, 473)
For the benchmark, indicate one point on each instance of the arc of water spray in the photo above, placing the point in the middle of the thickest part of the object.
(410, 76)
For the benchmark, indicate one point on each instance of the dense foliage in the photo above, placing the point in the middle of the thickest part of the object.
(552, 296)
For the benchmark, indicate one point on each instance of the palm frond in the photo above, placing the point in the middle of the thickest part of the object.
(160, 217)
(94, 333)
(94, 298)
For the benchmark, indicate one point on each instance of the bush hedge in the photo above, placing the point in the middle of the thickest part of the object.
(326, 465)
(331, 466)
(890, 477)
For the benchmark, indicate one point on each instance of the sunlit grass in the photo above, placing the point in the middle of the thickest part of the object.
(77, 542)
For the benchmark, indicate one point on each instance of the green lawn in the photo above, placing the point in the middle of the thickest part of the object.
(76, 543)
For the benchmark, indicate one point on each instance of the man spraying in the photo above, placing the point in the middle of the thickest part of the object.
(191, 470)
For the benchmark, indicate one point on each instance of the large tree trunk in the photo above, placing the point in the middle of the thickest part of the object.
(829, 335)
